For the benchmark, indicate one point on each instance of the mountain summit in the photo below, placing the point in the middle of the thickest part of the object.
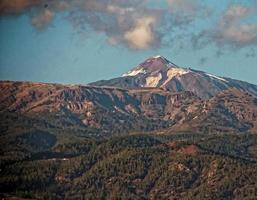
(159, 72)
(151, 66)
(156, 64)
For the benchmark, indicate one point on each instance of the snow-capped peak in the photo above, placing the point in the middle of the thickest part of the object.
(216, 77)
(152, 65)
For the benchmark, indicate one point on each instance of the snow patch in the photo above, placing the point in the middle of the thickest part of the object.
(134, 72)
(153, 81)
(158, 56)
(173, 72)
(216, 77)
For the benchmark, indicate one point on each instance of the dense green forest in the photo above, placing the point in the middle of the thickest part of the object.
(178, 166)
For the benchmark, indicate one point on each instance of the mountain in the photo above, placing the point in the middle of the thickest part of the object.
(157, 71)
(107, 111)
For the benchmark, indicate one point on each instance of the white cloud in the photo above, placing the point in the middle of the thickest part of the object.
(242, 34)
(141, 36)
(136, 25)
(232, 29)
(235, 12)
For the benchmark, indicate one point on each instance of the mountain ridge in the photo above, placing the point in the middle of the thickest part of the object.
(114, 110)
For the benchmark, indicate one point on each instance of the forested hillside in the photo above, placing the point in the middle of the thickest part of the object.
(181, 166)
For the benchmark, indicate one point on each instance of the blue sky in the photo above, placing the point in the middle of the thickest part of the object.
(82, 41)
